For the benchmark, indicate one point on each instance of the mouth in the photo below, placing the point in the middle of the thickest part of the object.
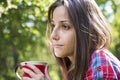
(57, 45)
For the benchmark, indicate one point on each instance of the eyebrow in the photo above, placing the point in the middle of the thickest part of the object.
(64, 20)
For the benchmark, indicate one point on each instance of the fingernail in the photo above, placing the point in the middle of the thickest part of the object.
(26, 63)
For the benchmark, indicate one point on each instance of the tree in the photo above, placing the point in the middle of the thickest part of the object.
(22, 33)
(111, 10)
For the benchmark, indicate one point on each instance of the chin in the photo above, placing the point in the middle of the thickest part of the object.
(59, 55)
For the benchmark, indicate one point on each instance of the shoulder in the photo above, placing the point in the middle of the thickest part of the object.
(103, 64)
(104, 57)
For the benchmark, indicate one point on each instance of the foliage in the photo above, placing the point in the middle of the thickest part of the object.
(111, 10)
(22, 33)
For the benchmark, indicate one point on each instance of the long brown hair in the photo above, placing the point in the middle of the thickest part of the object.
(91, 33)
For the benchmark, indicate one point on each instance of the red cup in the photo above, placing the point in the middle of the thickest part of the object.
(40, 65)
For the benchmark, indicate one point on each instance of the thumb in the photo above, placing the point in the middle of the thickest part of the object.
(47, 73)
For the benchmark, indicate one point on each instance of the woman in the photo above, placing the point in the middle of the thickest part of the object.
(79, 37)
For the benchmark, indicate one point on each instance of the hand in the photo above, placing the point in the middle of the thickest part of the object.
(36, 74)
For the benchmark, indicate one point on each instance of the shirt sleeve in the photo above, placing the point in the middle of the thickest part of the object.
(102, 68)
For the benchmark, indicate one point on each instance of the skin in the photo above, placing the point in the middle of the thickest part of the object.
(37, 74)
(62, 41)
(63, 34)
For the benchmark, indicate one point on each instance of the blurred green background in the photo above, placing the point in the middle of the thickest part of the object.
(22, 33)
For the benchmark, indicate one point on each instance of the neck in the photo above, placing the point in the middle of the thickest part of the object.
(71, 59)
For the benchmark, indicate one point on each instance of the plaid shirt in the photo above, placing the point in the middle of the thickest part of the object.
(103, 65)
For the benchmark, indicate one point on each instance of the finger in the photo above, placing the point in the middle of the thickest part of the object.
(26, 78)
(34, 68)
(28, 71)
(46, 70)
(33, 75)
(40, 77)
(47, 76)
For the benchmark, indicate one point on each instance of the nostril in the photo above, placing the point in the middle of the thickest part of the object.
(54, 35)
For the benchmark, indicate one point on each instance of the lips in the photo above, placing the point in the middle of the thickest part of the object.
(57, 45)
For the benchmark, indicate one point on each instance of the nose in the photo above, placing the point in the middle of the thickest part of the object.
(54, 34)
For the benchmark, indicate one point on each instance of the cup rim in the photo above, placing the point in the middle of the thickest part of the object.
(34, 62)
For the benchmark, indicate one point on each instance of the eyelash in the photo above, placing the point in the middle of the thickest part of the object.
(65, 27)
(52, 25)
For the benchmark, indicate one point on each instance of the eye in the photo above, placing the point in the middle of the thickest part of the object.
(52, 25)
(66, 27)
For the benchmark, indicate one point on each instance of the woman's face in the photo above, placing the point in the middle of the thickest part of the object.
(63, 33)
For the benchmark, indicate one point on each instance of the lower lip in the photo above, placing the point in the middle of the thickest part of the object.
(57, 46)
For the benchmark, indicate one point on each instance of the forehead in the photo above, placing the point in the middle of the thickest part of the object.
(60, 13)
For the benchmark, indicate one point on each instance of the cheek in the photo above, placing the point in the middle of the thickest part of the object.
(70, 39)
(70, 43)
(68, 49)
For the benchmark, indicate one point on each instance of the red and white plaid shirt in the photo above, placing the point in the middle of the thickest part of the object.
(103, 64)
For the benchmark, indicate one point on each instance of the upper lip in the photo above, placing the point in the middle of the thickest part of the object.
(56, 45)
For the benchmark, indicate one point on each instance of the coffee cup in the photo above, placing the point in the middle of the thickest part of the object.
(40, 65)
